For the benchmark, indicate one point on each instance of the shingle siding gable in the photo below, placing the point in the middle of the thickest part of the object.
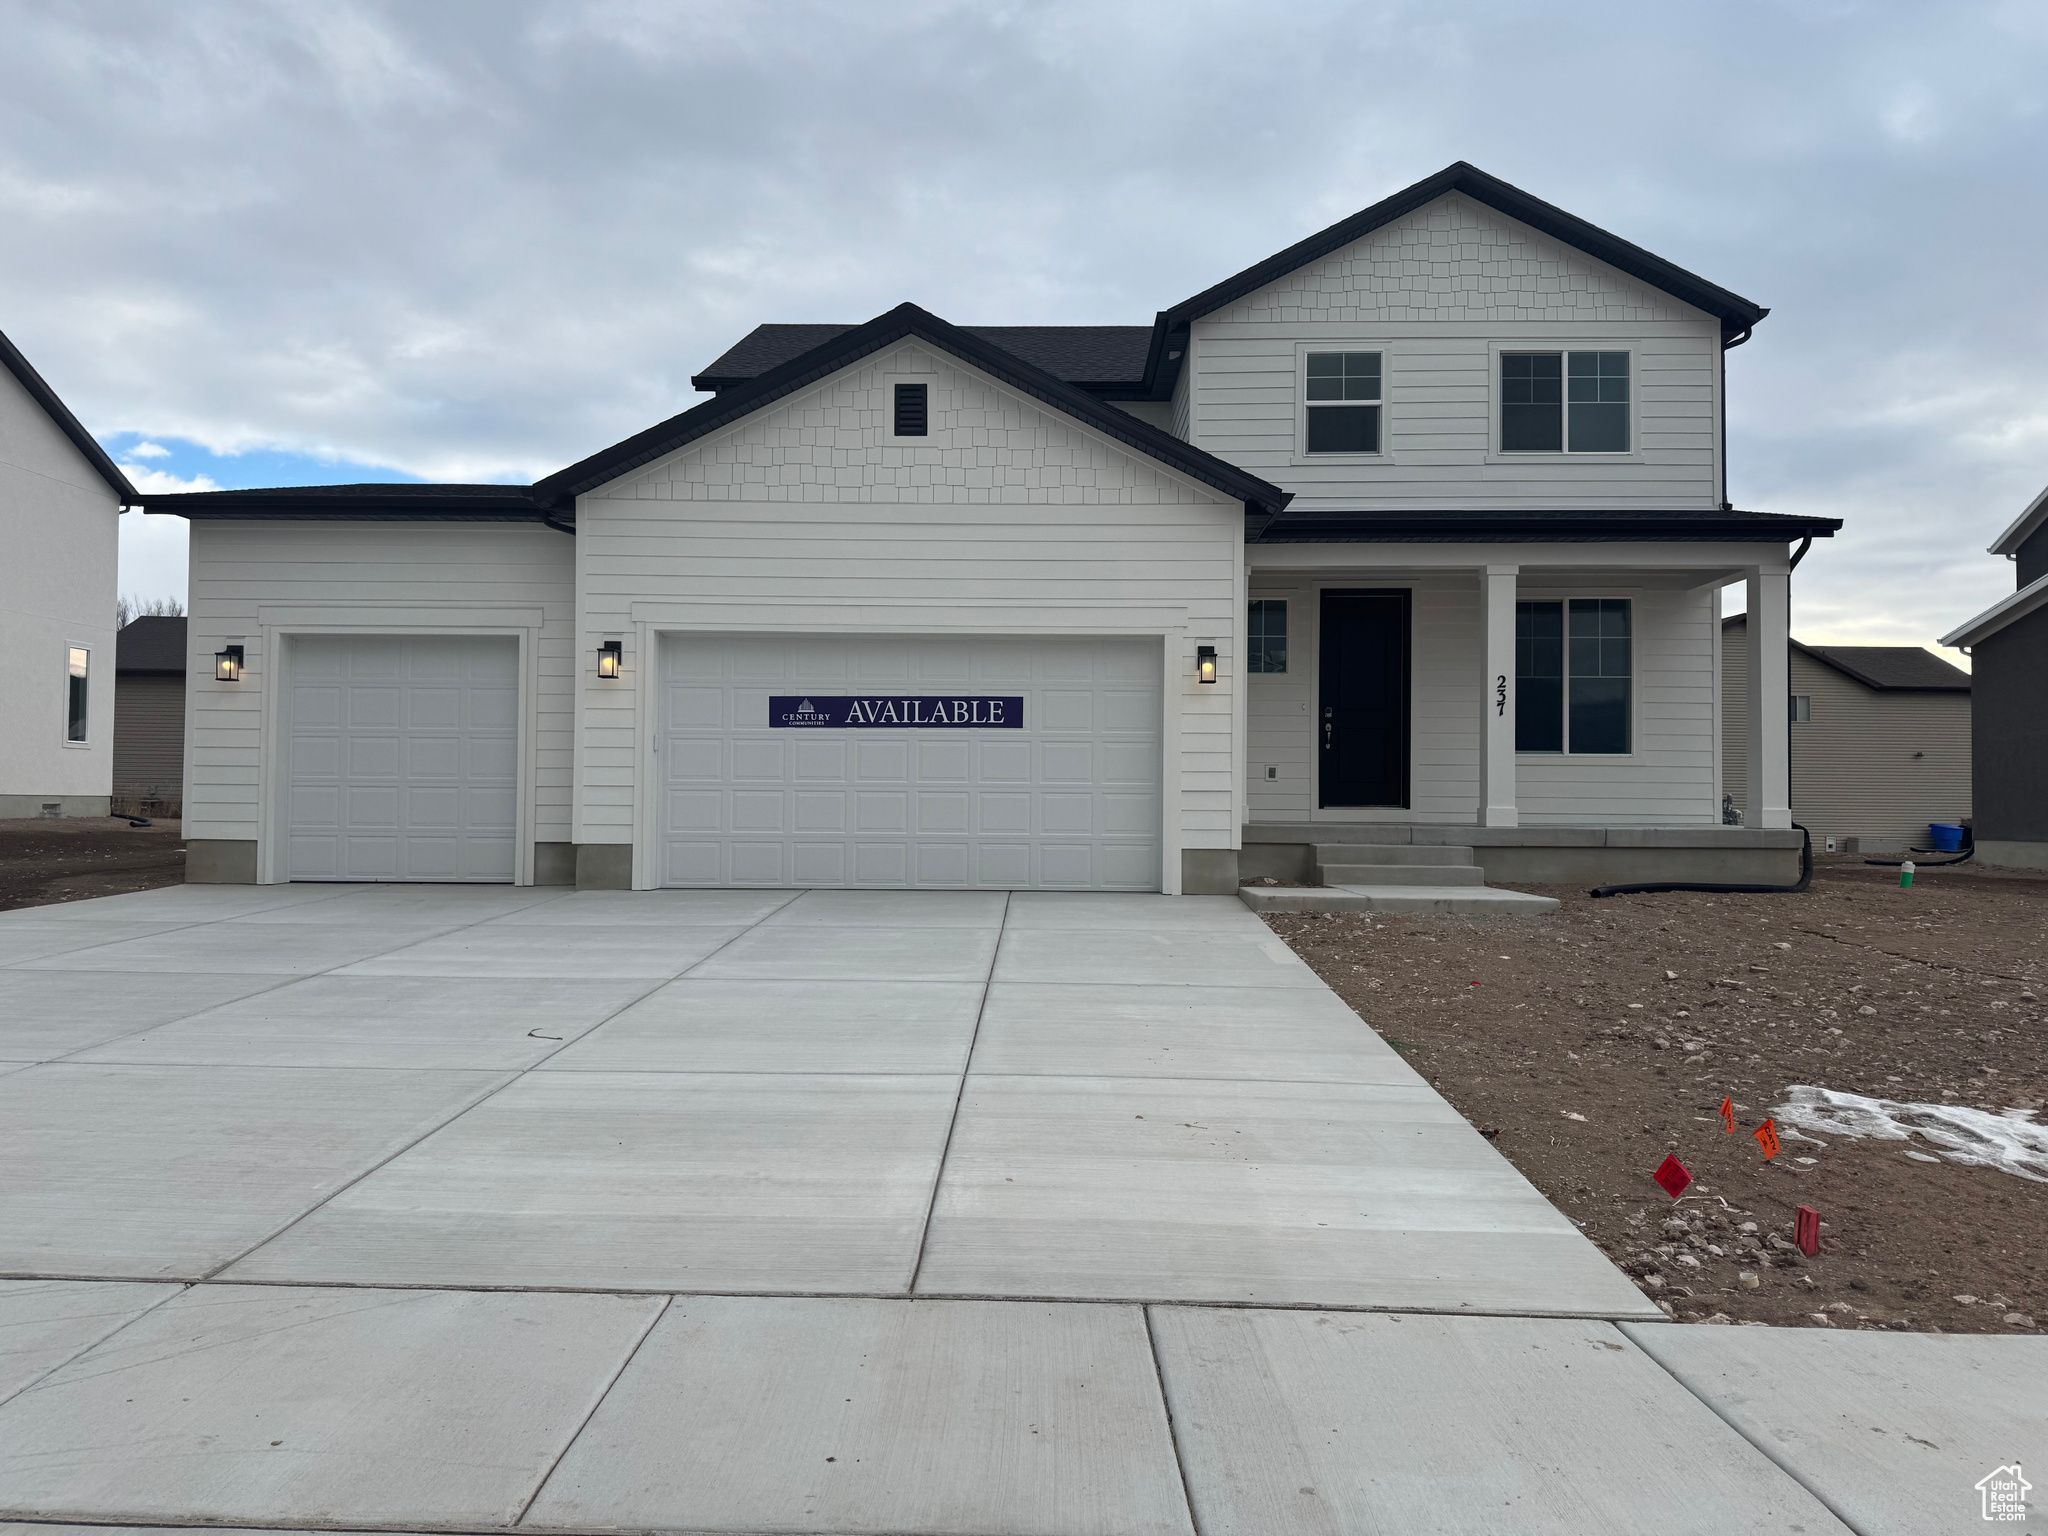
(1456, 259)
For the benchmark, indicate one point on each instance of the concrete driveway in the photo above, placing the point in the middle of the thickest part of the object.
(427, 1207)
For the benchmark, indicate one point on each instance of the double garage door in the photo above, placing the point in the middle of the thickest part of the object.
(402, 757)
(911, 762)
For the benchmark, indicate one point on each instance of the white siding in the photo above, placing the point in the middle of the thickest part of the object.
(251, 580)
(1668, 780)
(1435, 292)
(60, 527)
(1009, 519)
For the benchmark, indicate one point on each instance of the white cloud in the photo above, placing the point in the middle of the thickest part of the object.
(149, 451)
(482, 238)
(157, 482)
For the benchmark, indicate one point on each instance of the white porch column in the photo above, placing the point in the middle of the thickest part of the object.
(1497, 806)
(1769, 647)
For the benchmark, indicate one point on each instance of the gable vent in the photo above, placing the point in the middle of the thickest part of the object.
(912, 410)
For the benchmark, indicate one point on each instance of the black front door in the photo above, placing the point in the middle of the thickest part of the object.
(1362, 728)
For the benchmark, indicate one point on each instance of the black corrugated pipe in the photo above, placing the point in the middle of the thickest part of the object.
(1805, 837)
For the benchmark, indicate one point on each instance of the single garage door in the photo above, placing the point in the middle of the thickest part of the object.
(929, 762)
(403, 757)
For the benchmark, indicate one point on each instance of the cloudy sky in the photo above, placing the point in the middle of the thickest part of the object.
(258, 244)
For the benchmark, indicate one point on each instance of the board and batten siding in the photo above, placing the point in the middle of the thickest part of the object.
(1439, 292)
(1876, 764)
(1668, 780)
(252, 579)
(809, 516)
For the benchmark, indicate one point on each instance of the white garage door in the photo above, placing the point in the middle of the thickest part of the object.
(403, 757)
(829, 761)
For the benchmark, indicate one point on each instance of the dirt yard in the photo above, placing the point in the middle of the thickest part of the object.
(1591, 1042)
(76, 857)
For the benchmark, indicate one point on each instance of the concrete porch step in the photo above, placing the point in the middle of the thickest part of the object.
(1438, 900)
(1391, 853)
(1402, 874)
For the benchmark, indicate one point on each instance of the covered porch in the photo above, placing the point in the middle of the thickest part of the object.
(1555, 706)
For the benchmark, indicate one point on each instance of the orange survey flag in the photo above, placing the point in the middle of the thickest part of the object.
(1767, 1137)
(1728, 1115)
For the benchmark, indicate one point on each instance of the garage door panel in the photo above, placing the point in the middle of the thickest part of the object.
(757, 863)
(943, 762)
(763, 760)
(818, 811)
(370, 707)
(824, 761)
(881, 811)
(1005, 761)
(1070, 799)
(755, 810)
(406, 768)
(696, 811)
(885, 761)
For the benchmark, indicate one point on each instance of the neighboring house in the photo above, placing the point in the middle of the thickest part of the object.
(149, 716)
(2008, 648)
(60, 534)
(1413, 531)
(1880, 739)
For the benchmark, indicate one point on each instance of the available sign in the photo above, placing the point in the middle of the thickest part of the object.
(854, 712)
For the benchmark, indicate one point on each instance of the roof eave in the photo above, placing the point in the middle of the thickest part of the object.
(1738, 316)
(2024, 527)
(885, 330)
(2007, 610)
(60, 415)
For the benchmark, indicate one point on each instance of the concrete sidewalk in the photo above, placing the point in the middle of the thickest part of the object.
(445, 1207)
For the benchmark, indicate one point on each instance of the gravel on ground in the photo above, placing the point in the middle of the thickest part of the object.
(1590, 1042)
(52, 859)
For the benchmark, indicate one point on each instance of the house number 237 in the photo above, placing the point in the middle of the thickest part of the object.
(1500, 695)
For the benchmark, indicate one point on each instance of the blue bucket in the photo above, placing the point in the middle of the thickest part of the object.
(1947, 839)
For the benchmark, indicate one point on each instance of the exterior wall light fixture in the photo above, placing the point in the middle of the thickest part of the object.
(227, 665)
(611, 658)
(1205, 663)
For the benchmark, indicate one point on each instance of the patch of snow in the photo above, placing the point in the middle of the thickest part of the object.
(2009, 1140)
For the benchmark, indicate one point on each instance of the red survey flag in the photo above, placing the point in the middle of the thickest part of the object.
(1728, 1114)
(1673, 1176)
(1806, 1230)
(1767, 1137)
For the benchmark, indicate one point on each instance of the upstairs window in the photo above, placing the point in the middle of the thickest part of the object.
(1564, 402)
(1268, 636)
(913, 413)
(1574, 670)
(1802, 709)
(1343, 396)
(75, 700)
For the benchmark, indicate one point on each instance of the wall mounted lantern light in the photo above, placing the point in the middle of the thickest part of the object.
(611, 658)
(1205, 663)
(227, 665)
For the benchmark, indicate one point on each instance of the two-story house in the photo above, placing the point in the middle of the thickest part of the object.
(2008, 648)
(1416, 530)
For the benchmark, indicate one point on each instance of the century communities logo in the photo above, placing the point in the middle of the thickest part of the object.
(2005, 1494)
(898, 711)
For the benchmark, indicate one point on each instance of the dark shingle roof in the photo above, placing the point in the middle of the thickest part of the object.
(1078, 354)
(152, 643)
(1887, 667)
(60, 414)
(373, 502)
(1538, 525)
(563, 487)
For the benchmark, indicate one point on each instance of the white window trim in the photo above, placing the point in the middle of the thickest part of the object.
(931, 409)
(64, 713)
(1301, 455)
(1495, 454)
(1635, 684)
(1286, 602)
